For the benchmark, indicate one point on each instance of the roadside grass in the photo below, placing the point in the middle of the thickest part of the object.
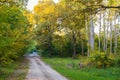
(16, 71)
(75, 73)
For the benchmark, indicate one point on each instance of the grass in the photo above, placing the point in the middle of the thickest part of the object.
(16, 71)
(75, 73)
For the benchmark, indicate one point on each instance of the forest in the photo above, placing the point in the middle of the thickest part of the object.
(79, 28)
(81, 33)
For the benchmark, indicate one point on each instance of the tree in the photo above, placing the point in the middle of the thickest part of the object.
(73, 19)
(46, 21)
(100, 31)
(14, 33)
(75, 16)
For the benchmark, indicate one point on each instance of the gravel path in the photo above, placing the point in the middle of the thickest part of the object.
(38, 70)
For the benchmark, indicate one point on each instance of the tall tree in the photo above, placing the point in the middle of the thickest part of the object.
(14, 32)
(100, 18)
(46, 21)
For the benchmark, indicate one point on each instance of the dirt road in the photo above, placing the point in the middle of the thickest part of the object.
(38, 70)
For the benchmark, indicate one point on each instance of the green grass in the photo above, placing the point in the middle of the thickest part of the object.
(75, 73)
(16, 71)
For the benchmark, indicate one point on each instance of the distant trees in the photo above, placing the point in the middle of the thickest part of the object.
(46, 16)
(68, 26)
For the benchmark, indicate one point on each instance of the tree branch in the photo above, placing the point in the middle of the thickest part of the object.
(102, 6)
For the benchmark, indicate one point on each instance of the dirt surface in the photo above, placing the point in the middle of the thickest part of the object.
(38, 70)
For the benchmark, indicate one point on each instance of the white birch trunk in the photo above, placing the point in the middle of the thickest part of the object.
(88, 34)
(115, 33)
(100, 31)
(91, 33)
(104, 29)
(111, 25)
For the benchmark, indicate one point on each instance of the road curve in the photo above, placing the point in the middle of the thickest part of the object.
(38, 70)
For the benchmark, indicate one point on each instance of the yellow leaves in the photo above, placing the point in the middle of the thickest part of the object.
(78, 17)
(24, 13)
(30, 17)
(60, 33)
(37, 9)
(50, 10)
(42, 20)
(72, 23)
(40, 8)
(43, 31)
(111, 56)
(31, 28)
(113, 2)
(45, 12)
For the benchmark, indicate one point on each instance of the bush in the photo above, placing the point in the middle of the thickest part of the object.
(101, 60)
(5, 61)
(117, 61)
(78, 56)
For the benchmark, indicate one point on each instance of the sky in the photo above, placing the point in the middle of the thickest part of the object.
(32, 3)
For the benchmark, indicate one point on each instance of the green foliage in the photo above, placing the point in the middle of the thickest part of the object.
(71, 21)
(78, 56)
(117, 61)
(64, 28)
(14, 33)
(101, 60)
(5, 61)
(46, 15)
(68, 49)
(32, 46)
(11, 71)
(75, 73)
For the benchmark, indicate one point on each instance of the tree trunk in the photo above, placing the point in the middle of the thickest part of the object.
(88, 34)
(104, 29)
(115, 34)
(50, 40)
(82, 46)
(91, 33)
(100, 31)
(111, 25)
(74, 44)
(107, 32)
(82, 42)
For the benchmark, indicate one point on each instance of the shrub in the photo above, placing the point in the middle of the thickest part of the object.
(78, 56)
(101, 60)
(117, 61)
(5, 61)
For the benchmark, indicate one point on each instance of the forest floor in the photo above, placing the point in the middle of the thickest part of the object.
(69, 67)
(16, 70)
(38, 70)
